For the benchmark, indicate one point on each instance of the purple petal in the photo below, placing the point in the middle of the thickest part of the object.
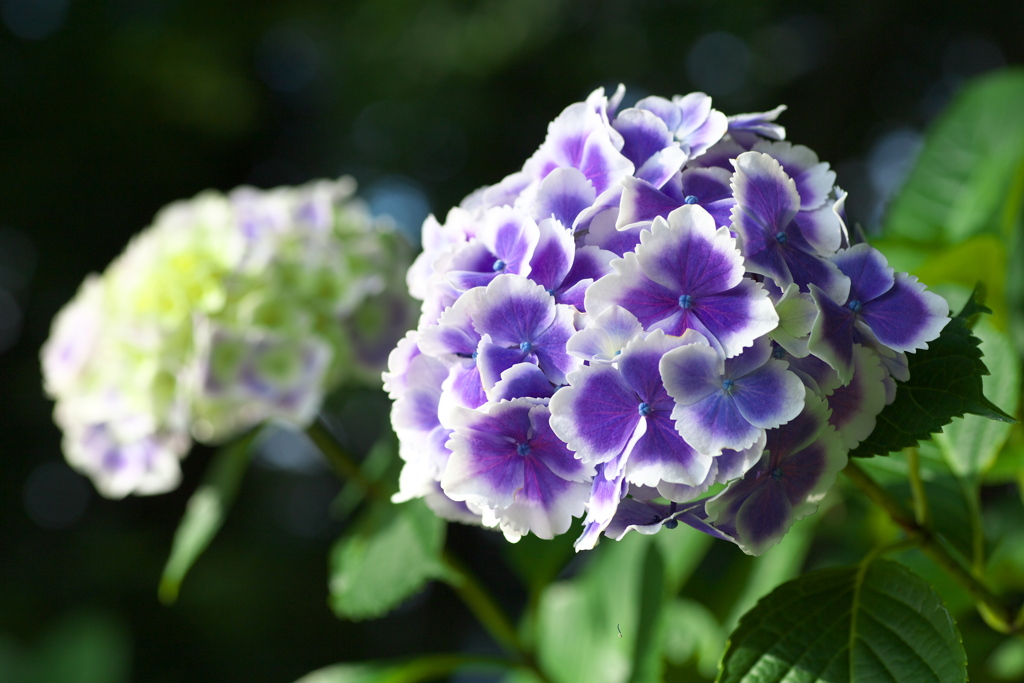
(831, 337)
(563, 194)
(870, 274)
(762, 123)
(689, 254)
(662, 455)
(813, 179)
(462, 388)
(734, 318)
(639, 365)
(715, 423)
(553, 256)
(520, 380)
(512, 310)
(661, 166)
(597, 414)
(642, 202)
(604, 501)
(692, 372)
(630, 288)
(766, 203)
(769, 396)
(589, 264)
(908, 316)
(604, 235)
(821, 229)
(856, 406)
(710, 189)
(643, 135)
(764, 518)
(734, 464)
(605, 335)
(494, 359)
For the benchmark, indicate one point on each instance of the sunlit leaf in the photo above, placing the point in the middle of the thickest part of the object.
(877, 623)
(964, 173)
(971, 444)
(945, 382)
(205, 513)
(579, 621)
(693, 634)
(392, 555)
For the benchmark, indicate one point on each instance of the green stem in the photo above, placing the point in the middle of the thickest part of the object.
(996, 613)
(433, 666)
(483, 606)
(921, 511)
(469, 590)
(343, 463)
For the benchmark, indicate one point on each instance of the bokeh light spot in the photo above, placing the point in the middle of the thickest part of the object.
(718, 63)
(34, 19)
(55, 496)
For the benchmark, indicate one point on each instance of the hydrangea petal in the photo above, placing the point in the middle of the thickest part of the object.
(563, 194)
(813, 178)
(908, 316)
(855, 407)
(520, 380)
(605, 335)
(596, 414)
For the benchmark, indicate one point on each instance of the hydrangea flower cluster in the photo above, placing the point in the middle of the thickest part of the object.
(660, 318)
(227, 311)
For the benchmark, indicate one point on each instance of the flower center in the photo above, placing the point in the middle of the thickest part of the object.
(526, 347)
(781, 237)
(685, 301)
(777, 473)
(523, 449)
(499, 266)
(778, 353)
(855, 306)
(690, 199)
(727, 384)
(644, 409)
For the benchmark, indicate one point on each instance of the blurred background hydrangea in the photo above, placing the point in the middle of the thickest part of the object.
(226, 312)
(112, 109)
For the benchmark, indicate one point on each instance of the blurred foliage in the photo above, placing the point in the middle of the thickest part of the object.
(125, 105)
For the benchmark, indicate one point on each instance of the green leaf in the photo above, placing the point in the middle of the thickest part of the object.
(693, 634)
(579, 621)
(205, 513)
(878, 622)
(392, 554)
(971, 444)
(965, 170)
(1007, 661)
(945, 382)
(682, 549)
(537, 561)
(769, 570)
(609, 623)
(647, 664)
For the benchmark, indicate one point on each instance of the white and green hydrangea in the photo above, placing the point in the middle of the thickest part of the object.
(227, 311)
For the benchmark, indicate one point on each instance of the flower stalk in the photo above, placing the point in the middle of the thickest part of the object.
(466, 586)
(993, 609)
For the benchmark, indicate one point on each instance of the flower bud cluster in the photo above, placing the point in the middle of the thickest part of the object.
(660, 318)
(227, 311)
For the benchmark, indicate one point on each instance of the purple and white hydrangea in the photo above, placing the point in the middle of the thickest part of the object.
(659, 319)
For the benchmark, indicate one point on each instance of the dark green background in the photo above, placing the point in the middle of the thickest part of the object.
(126, 105)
